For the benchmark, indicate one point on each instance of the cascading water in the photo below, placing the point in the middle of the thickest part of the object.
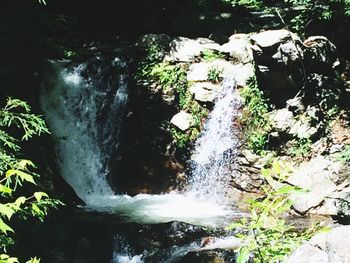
(215, 149)
(85, 124)
(84, 106)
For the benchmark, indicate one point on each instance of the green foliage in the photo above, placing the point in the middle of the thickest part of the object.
(301, 147)
(15, 172)
(251, 4)
(153, 71)
(214, 75)
(344, 154)
(255, 118)
(310, 10)
(267, 236)
(211, 55)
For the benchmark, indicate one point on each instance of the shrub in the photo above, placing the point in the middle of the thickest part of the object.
(15, 172)
(266, 235)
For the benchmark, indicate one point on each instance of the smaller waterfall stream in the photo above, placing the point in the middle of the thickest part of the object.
(215, 149)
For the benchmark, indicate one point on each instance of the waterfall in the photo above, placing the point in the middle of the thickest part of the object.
(84, 105)
(214, 152)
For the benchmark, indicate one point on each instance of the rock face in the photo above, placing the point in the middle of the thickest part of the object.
(329, 247)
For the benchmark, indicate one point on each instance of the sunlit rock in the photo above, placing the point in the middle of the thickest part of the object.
(204, 91)
(331, 247)
(239, 48)
(270, 38)
(182, 120)
(183, 49)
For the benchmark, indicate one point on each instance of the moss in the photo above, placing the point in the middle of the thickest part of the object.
(255, 118)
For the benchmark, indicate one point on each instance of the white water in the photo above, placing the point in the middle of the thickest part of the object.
(216, 148)
(72, 104)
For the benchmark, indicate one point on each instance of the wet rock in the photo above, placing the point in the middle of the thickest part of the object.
(182, 120)
(325, 247)
(198, 72)
(204, 91)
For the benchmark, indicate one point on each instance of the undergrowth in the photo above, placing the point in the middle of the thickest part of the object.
(266, 235)
(255, 118)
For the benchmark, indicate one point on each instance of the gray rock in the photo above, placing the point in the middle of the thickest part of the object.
(239, 48)
(204, 91)
(182, 120)
(288, 54)
(199, 71)
(270, 38)
(335, 243)
(307, 254)
(314, 177)
(295, 105)
(320, 52)
(208, 44)
(282, 119)
(183, 49)
(302, 129)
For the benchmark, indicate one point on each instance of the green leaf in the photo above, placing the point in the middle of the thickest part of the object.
(34, 260)
(4, 189)
(4, 227)
(24, 176)
(243, 255)
(39, 195)
(20, 200)
(6, 211)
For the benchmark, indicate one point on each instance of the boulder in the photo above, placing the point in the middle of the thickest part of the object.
(204, 91)
(183, 49)
(331, 247)
(182, 120)
(239, 48)
(270, 38)
(208, 44)
(282, 119)
(314, 177)
(303, 129)
(308, 253)
(320, 54)
(199, 71)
